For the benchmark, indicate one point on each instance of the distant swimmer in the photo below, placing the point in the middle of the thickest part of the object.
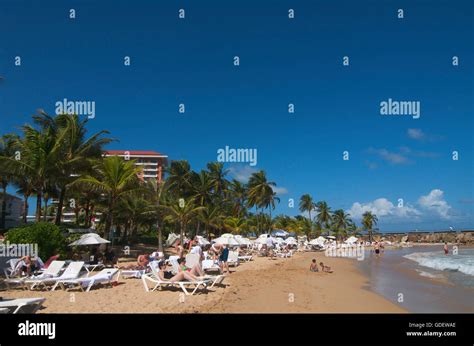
(377, 248)
(446, 249)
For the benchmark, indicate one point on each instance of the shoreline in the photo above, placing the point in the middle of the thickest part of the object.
(422, 289)
(260, 286)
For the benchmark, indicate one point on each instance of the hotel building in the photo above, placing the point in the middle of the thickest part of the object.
(151, 162)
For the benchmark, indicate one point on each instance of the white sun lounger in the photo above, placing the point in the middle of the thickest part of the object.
(12, 270)
(85, 284)
(215, 279)
(22, 305)
(233, 259)
(52, 271)
(132, 273)
(245, 258)
(71, 272)
(154, 278)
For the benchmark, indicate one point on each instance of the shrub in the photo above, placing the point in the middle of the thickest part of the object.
(48, 237)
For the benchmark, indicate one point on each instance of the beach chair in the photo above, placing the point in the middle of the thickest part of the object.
(192, 259)
(105, 276)
(233, 259)
(131, 273)
(71, 272)
(154, 278)
(52, 271)
(246, 258)
(22, 305)
(12, 269)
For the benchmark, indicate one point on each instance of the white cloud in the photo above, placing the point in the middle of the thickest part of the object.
(280, 190)
(394, 158)
(383, 208)
(241, 173)
(435, 202)
(416, 134)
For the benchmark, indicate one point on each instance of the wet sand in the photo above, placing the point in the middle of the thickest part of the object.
(416, 288)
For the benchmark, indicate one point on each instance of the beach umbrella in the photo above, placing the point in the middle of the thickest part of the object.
(290, 240)
(278, 240)
(226, 241)
(351, 240)
(331, 237)
(279, 233)
(261, 240)
(202, 241)
(89, 239)
(172, 237)
(227, 235)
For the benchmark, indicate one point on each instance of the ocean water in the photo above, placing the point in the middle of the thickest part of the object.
(458, 269)
(423, 279)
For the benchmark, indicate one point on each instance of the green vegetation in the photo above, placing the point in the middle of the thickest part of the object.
(49, 238)
(54, 158)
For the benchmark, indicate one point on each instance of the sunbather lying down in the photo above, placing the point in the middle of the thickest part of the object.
(142, 263)
(324, 268)
(165, 275)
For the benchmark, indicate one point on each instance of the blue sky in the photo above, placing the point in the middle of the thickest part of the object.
(282, 61)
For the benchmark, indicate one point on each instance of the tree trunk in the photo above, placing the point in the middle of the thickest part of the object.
(4, 206)
(59, 212)
(109, 219)
(86, 213)
(160, 238)
(45, 209)
(38, 206)
(181, 234)
(25, 208)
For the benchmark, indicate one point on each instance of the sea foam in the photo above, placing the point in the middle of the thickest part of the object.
(463, 262)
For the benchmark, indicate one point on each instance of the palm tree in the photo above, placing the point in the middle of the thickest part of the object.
(217, 175)
(236, 225)
(182, 213)
(39, 150)
(159, 197)
(369, 220)
(212, 218)
(7, 149)
(323, 216)
(178, 181)
(115, 178)
(260, 192)
(340, 223)
(307, 204)
(76, 150)
(238, 196)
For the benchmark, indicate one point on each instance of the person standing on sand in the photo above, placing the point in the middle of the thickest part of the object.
(223, 259)
(446, 249)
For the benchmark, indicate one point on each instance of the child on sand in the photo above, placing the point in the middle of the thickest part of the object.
(324, 268)
(313, 266)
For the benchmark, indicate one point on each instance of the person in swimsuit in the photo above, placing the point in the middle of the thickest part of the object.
(169, 276)
(446, 249)
(223, 259)
(324, 268)
(196, 270)
(377, 249)
(313, 266)
(142, 261)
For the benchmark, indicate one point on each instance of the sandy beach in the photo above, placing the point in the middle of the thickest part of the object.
(260, 286)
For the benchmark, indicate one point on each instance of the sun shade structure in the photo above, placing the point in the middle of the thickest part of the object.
(89, 239)
(226, 241)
